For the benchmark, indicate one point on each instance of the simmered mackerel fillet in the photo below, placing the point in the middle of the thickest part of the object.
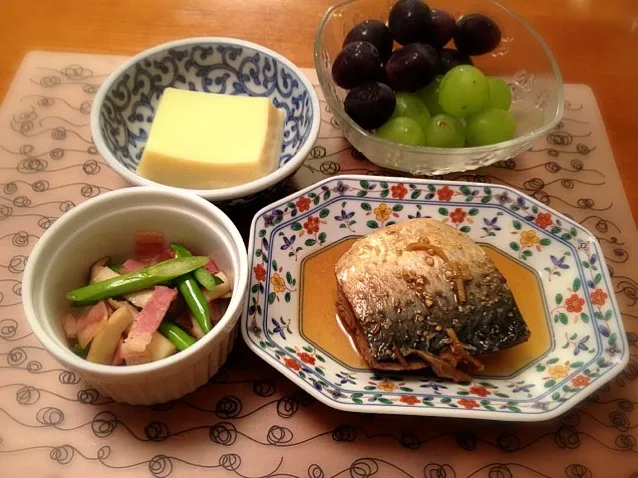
(419, 294)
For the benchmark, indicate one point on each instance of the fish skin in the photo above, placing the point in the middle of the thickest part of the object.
(408, 299)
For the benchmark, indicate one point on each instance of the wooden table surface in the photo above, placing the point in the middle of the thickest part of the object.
(595, 42)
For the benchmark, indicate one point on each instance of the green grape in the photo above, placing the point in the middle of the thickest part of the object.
(402, 130)
(464, 91)
(444, 131)
(490, 126)
(411, 106)
(500, 94)
(430, 96)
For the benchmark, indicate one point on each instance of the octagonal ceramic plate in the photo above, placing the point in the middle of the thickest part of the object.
(554, 266)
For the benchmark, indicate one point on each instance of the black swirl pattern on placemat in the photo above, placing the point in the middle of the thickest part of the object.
(500, 471)
(67, 377)
(567, 437)
(103, 424)
(27, 395)
(230, 461)
(625, 442)
(50, 416)
(570, 419)
(287, 406)
(157, 431)
(88, 396)
(363, 468)
(279, 435)
(466, 439)
(345, 433)
(619, 420)
(508, 442)
(160, 466)
(578, 471)
(409, 439)
(315, 471)
(223, 433)
(227, 407)
(16, 356)
(264, 389)
(62, 454)
(436, 470)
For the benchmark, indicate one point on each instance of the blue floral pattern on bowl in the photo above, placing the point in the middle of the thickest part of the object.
(128, 106)
(587, 347)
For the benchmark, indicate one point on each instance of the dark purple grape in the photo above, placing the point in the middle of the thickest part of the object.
(409, 21)
(375, 32)
(370, 104)
(357, 63)
(451, 58)
(476, 34)
(412, 67)
(442, 28)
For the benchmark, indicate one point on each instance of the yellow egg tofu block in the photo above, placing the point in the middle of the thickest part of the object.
(207, 141)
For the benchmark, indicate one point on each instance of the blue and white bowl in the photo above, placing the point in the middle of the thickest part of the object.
(125, 104)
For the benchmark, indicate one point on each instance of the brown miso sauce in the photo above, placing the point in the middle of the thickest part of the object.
(319, 319)
(320, 323)
(526, 289)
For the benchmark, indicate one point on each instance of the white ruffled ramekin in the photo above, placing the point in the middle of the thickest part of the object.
(105, 226)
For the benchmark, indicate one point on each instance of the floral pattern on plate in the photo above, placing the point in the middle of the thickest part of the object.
(588, 344)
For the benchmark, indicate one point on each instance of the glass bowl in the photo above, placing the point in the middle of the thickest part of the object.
(522, 59)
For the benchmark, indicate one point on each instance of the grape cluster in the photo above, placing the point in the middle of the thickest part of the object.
(422, 93)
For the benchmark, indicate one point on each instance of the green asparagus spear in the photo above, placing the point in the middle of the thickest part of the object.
(205, 278)
(177, 336)
(137, 280)
(195, 300)
(192, 294)
(180, 251)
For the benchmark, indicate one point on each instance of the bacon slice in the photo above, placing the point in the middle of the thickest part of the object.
(70, 325)
(148, 321)
(166, 254)
(211, 267)
(131, 265)
(148, 244)
(92, 323)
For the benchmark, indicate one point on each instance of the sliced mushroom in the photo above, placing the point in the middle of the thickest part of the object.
(105, 342)
(221, 290)
(195, 329)
(101, 273)
(159, 348)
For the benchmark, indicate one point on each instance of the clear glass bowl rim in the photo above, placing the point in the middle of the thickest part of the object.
(342, 116)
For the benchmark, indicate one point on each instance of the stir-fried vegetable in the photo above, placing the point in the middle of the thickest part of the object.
(221, 290)
(104, 344)
(148, 307)
(205, 278)
(100, 272)
(177, 336)
(159, 347)
(192, 294)
(141, 279)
